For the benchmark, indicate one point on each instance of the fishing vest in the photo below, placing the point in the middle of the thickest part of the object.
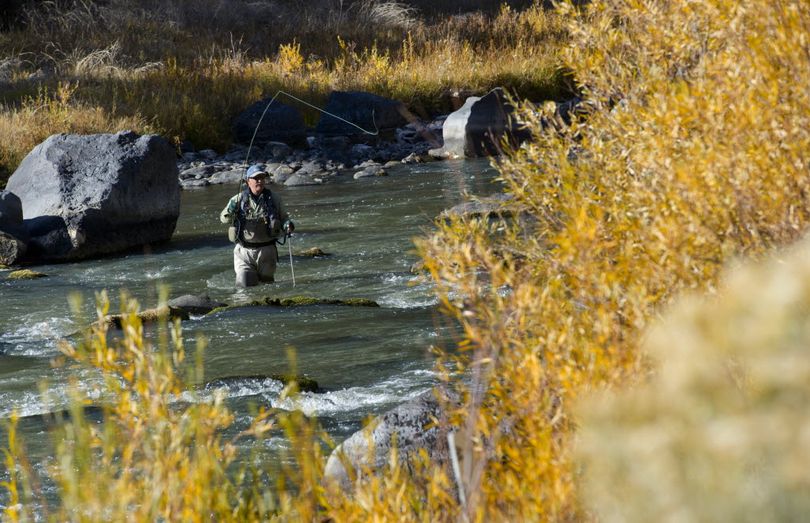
(259, 226)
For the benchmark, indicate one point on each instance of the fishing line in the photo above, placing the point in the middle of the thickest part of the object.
(256, 130)
(289, 247)
(273, 99)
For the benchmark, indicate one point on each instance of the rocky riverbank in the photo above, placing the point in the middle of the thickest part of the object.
(319, 160)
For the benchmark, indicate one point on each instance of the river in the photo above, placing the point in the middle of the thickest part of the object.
(366, 360)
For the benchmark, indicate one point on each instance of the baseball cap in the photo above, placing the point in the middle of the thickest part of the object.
(255, 171)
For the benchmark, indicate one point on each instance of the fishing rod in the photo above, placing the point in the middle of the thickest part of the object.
(288, 235)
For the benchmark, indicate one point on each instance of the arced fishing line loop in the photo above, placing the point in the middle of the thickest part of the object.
(256, 130)
(273, 99)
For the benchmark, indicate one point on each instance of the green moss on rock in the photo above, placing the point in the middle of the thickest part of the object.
(25, 274)
(298, 301)
(314, 252)
(305, 384)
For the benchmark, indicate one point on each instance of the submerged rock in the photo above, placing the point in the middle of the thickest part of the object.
(372, 170)
(297, 301)
(25, 274)
(305, 384)
(199, 304)
(298, 180)
(149, 316)
(301, 301)
(314, 252)
(495, 206)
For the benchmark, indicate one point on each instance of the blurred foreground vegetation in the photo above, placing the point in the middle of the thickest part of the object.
(186, 69)
(695, 154)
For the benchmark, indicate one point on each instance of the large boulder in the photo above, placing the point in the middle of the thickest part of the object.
(85, 196)
(281, 123)
(480, 126)
(414, 426)
(365, 110)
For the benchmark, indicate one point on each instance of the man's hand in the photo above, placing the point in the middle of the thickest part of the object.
(289, 227)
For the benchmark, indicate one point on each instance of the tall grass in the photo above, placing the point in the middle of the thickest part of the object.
(189, 71)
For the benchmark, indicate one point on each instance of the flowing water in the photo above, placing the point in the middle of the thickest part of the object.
(366, 360)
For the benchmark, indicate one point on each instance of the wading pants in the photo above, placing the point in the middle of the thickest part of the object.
(254, 265)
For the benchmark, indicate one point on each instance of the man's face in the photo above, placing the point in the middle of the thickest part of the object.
(256, 185)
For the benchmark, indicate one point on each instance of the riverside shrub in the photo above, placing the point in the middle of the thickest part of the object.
(695, 150)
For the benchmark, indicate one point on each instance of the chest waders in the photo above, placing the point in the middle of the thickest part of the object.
(269, 215)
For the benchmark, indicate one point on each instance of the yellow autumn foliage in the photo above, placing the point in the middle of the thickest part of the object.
(693, 150)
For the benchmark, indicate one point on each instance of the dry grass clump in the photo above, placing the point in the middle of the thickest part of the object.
(696, 150)
(52, 111)
(721, 433)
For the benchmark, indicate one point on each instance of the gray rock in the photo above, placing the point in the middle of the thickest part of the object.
(297, 180)
(479, 126)
(196, 172)
(282, 173)
(417, 158)
(11, 216)
(232, 176)
(236, 155)
(194, 184)
(362, 150)
(365, 110)
(367, 163)
(85, 196)
(199, 304)
(208, 154)
(281, 123)
(12, 249)
(311, 168)
(277, 150)
(373, 170)
(414, 425)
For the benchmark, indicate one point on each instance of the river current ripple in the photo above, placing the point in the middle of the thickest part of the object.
(366, 360)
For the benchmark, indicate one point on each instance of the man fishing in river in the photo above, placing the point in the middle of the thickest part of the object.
(258, 220)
